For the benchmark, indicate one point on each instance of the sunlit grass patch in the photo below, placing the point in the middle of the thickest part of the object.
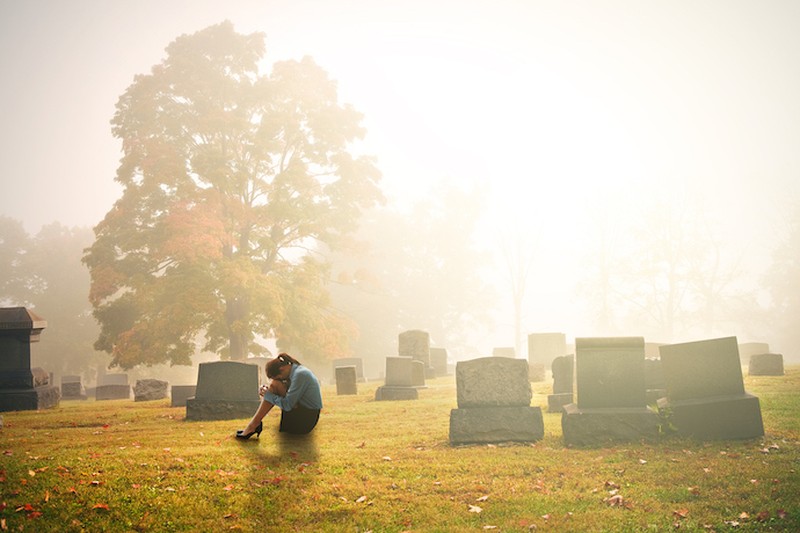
(385, 466)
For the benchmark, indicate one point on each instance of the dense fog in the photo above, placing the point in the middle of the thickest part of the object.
(598, 169)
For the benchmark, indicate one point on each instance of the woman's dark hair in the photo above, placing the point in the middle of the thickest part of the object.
(274, 365)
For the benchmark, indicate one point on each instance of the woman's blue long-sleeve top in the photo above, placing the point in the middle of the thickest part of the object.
(303, 389)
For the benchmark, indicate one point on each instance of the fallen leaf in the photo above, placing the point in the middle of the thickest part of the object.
(694, 490)
(100, 506)
(482, 499)
(763, 516)
(642, 462)
(681, 513)
(227, 487)
(361, 499)
(361, 445)
(546, 516)
(489, 527)
(744, 516)
(732, 523)
(781, 513)
(386, 458)
(615, 500)
(474, 509)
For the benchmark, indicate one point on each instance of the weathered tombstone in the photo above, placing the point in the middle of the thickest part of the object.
(705, 391)
(399, 381)
(350, 361)
(493, 397)
(611, 403)
(146, 390)
(346, 380)
(542, 349)
(563, 378)
(504, 351)
(112, 387)
(654, 384)
(416, 344)
(766, 364)
(22, 388)
(225, 390)
(72, 388)
(181, 393)
(439, 361)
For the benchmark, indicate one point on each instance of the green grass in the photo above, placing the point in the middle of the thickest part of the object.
(385, 466)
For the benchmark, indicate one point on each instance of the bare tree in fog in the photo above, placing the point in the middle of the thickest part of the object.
(45, 274)
(416, 270)
(669, 280)
(230, 178)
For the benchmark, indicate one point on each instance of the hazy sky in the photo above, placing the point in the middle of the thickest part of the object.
(567, 109)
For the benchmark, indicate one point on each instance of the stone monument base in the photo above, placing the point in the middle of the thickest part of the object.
(112, 392)
(200, 409)
(469, 425)
(600, 426)
(555, 402)
(29, 399)
(390, 393)
(717, 418)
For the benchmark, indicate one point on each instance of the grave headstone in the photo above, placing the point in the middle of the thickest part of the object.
(225, 390)
(439, 361)
(181, 393)
(351, 361)
(542, 349)
(493, 397)
(72, 388)
(611, 404)
(416, 344)
(766, 364)
(399, 383)
(22, 388)
(146, 390)
(706, 398)
(563, 368)
(346, 380)
(112, 387)
(504, 351)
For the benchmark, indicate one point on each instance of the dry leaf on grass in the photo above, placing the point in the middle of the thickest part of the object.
(474, 509)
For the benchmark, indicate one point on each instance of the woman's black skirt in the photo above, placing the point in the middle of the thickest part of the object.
(299, 421)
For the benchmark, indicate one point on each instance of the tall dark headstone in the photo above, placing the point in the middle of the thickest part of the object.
(22, 388)
(706, 398)
(225, 390)
(494, 403)
(611, 403)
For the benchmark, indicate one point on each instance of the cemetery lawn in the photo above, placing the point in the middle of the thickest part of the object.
(120, 465)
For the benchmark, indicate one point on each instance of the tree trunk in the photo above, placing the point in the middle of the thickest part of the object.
(236, 317)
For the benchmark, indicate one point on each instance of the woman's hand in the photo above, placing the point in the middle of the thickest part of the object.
(262, 389)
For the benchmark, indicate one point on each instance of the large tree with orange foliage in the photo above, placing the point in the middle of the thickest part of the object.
(231, 179)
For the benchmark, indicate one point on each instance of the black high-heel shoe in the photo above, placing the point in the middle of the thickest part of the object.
(240, 434)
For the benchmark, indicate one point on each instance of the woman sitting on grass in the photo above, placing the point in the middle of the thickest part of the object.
(293, 388)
